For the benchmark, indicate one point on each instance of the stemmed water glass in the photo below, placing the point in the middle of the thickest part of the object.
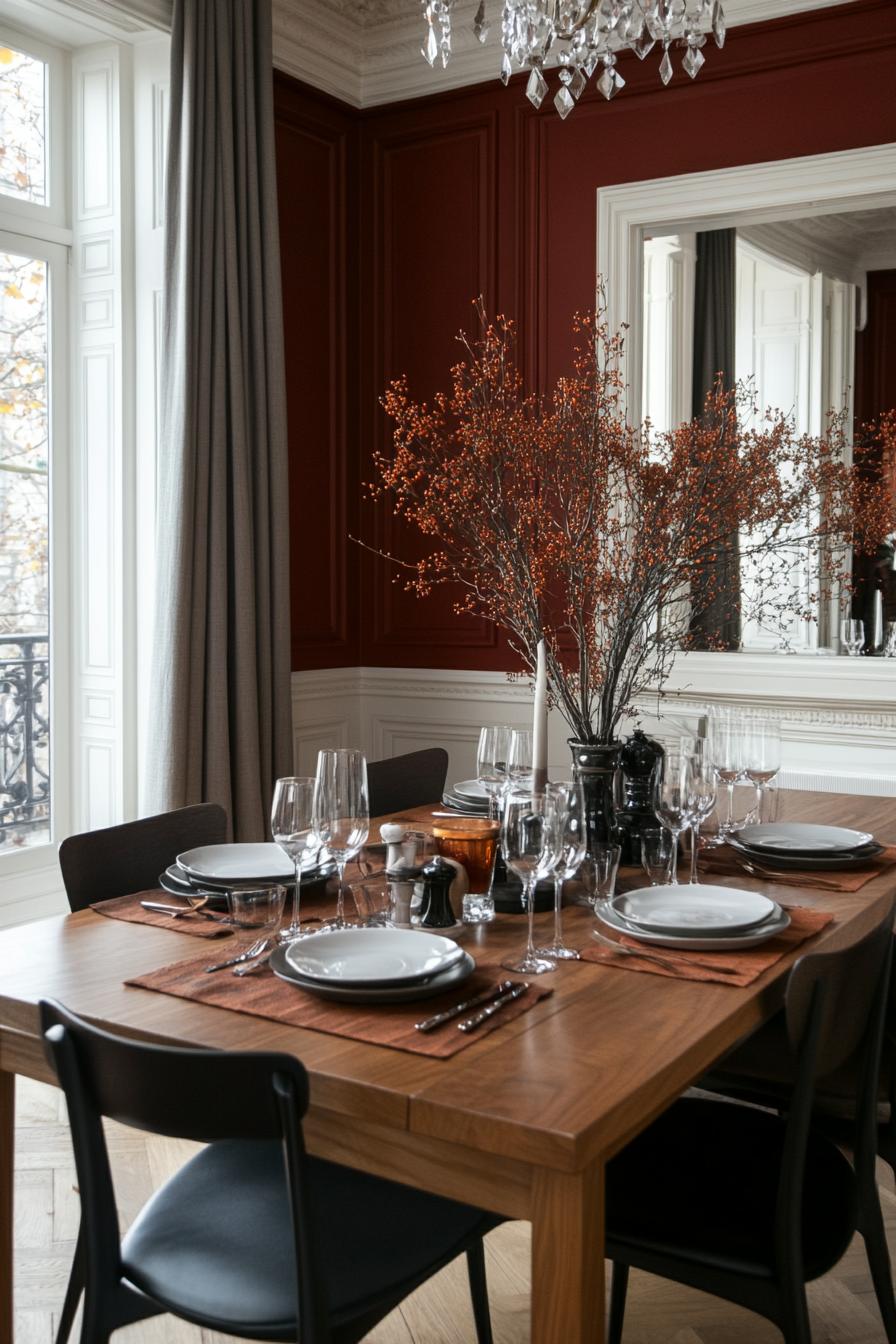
(852, 636)
(341, 813)
(491, 763)
(569, 809)
(702, 790)
(762, 759)
(529, 842)
(291, 817)
(727, 747)
(519, 760)
(671, 797)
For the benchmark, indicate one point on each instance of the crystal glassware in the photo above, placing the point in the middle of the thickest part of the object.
(291, 826)
(605, 857)
(656, 855)
(341, 816)
(670, 797)
(255, 912)
(569, 807)
(519, 760)
(529, 843)
(852, 636)
(702, 790)
(726, 745)
(491, 763)
(762, 758)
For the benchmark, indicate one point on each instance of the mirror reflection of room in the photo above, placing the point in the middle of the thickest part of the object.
(802, 312)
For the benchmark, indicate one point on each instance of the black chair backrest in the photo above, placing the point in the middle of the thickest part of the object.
(97, 865)
(412, 780)
(851, 979)
(205, 1095)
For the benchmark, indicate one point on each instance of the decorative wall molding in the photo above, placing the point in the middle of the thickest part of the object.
(838, 720)
(758, 193)
(367, 52)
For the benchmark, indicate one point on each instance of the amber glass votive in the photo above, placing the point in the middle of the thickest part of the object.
(472, 841)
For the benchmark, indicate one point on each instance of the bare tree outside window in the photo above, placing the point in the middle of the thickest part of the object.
(24, 554)
(23, 156)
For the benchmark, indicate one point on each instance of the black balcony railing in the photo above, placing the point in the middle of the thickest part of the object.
(24, 738)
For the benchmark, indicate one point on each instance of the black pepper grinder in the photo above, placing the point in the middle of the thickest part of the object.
(435, 904)
(637, 759)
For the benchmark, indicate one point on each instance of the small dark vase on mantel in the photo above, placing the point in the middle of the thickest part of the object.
(637, 760)
(594, 765)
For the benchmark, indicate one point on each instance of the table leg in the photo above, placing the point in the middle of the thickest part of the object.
(568, 1256)
(7, 1162)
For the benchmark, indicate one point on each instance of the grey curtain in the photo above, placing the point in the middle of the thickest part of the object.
(716, 622)
(221, 715)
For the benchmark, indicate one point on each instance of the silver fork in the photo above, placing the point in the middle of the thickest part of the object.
(769, 874)
(253, 951)
(660, 961)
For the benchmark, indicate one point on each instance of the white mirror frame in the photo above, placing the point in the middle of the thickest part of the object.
(757, 193)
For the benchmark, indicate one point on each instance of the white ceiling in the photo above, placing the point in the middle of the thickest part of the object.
(844, 245)
(368, 51)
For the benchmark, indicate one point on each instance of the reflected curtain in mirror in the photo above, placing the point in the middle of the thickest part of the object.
(715, 623)
(221, 713)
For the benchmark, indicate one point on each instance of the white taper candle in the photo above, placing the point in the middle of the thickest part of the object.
(540, 722)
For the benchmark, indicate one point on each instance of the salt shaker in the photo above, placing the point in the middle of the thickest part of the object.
(402, 851)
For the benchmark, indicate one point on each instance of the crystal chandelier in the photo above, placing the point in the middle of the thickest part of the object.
(587, 33)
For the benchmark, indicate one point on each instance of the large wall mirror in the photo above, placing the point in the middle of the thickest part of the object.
(811, 247)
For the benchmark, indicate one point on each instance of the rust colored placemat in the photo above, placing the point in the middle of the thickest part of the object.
(264, 994)
(725, 861)
(131, 911)
(746, 966)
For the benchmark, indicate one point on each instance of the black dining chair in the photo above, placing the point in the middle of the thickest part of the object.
(761, 1071)
(97, 865)
(412, 780)
(252, 1237)
(739, 1201)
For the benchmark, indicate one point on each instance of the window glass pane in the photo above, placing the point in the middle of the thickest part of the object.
(22, 126)
(24, 571)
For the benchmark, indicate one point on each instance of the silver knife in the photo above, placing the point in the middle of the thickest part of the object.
(253, 965)
(481, 815)
(449, 1013)
(473, 1022)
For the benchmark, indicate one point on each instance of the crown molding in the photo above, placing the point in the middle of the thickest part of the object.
(367, 52)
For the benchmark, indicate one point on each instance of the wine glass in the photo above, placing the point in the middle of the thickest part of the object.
(726, 746)
(491, 763)
(702, 790)
(762, 758)
(529, 842)
(670, 797)
(341, 813)
(291, 826)
(852, 636)
(568, 804)
(519, 760)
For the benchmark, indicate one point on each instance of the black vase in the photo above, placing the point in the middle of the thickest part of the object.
(594, 765)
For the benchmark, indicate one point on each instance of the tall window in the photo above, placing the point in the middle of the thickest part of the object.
(24, 471)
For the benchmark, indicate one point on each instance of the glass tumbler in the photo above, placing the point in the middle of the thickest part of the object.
(472, 841)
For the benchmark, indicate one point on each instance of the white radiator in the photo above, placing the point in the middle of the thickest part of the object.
(879, 786)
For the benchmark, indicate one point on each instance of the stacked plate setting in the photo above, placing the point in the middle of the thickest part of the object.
(467, 796)
(373, 965)
(806, 846)
(213, 870)
(695, 918)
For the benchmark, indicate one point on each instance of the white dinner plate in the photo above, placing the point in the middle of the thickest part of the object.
(428, 989)
(774, 859)
(696, 910)
(731, 942)
(224, 864)
(371, 957)
(800, 837)
(471, 788)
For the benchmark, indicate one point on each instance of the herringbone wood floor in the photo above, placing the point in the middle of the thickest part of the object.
(843, 1307)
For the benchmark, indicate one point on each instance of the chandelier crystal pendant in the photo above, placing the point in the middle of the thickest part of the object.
(586, 34)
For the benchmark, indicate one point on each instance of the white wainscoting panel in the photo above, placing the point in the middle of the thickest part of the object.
(838, 717)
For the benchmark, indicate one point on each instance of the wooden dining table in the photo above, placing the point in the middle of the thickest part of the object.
(522, 1122)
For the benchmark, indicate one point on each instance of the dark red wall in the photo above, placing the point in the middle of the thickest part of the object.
(395, 219)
